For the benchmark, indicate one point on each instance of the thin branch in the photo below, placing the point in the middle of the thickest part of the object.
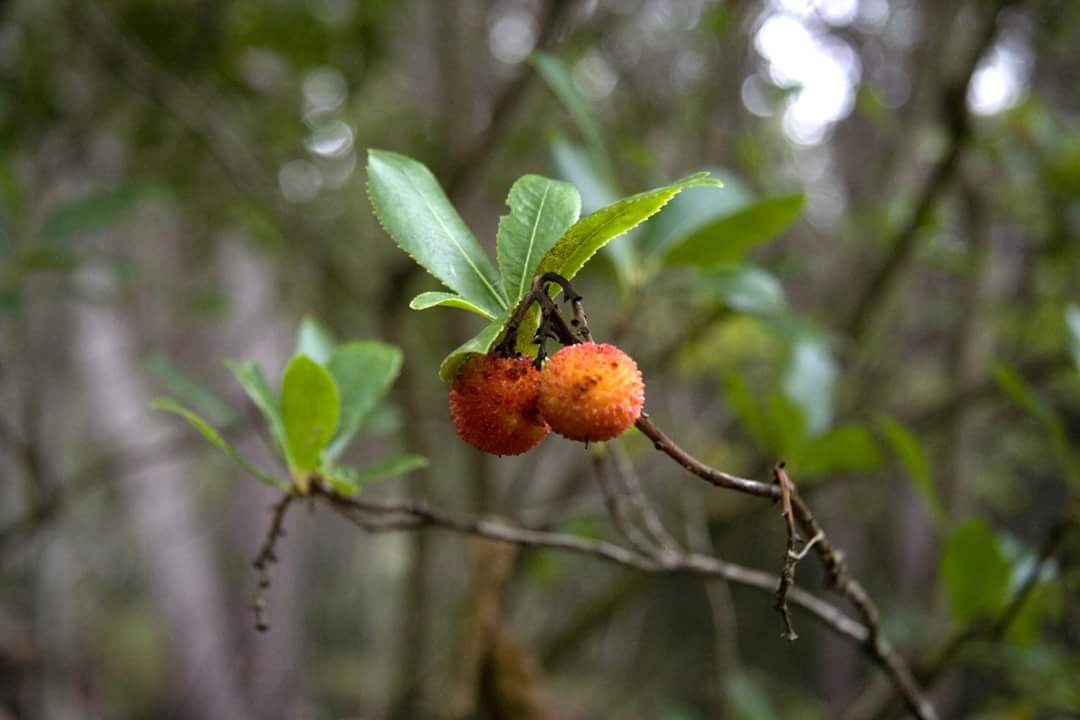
(879, 701)
(266, 558)
(1033, 370)
(720, 479)
(881, 281)
(411, 514)
(474, 159)
(792, 556)
(617, 507)
(639, 503)
(876, 644)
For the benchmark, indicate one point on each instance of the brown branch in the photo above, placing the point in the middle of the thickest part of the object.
(635, 496)
(267, 556)
(475, 158)
(720, 479)
(883, 280)
(616, 504)
(402, 514)
(879, 702)
(876, 645)
(792, 556)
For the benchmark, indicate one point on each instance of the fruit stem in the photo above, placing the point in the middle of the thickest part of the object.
(553, 324)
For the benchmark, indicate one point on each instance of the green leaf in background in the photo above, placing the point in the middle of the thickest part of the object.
(847, 448)
(426, 300)
(1023, 394)
(748, 699)
(974, 571)
(558, 78)
(310, 407)
(786, 426)
(541, 210)
(314, 340)
(1045, 603)
(251, 378)
(210, 433)
(190, 390)
(810, 381)
(740, 398)
(691, 211)
(1072, 328)
(727, 240)
(905, 444)
(41, 258)
(747, 289)
(7, 237)
(349, 481)
(12, 199)
(480, 343)
(364, 370)
(10, 301)
(416, 213)
(89, 213)
(576, 167)
(594, 231)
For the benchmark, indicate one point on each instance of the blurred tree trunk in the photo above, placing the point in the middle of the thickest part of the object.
(255, 330)
(182, 579)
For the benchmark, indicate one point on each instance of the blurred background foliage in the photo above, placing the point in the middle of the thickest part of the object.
(884, 294)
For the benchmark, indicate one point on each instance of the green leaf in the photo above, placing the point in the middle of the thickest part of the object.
(416, 213)
(210, 433)
(810, 381)
(726, 240)
(576, 167)
(1046, 599)
(349, 481)
(310, 408)
(314, 340)
(541, 210)
(1046, 603)
(87, 214)
(913, 457)
(594, 231)
(740, 398)
(786, 426)
(251, 378)
(480, 343)
(190, 390)
(1072, 327)
(12, 199)
(364, 370)
(691, 211)
(598, 190)
(847, 448)
(558, 78)
(42, 258)
(749, 699)
(747, 289)
(1024, 395)
(426, 300)
(974, 571)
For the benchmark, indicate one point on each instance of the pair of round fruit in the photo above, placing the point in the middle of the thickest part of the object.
(587, 392)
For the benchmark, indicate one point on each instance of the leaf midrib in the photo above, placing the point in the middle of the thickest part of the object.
(532, 240)
(450, 235)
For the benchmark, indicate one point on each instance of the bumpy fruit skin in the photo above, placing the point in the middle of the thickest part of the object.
(493, 402)
(591, 392)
